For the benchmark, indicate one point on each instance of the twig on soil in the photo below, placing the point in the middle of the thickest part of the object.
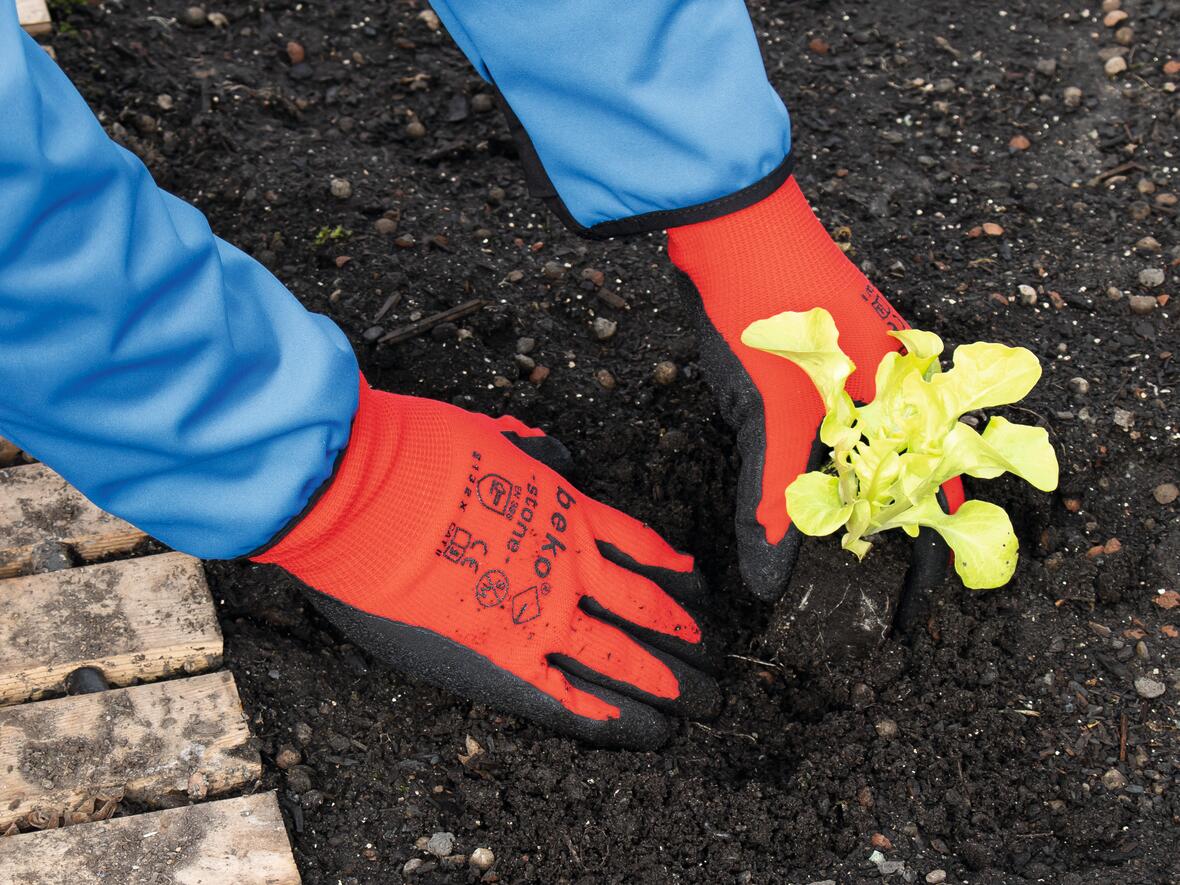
(717, 732)
(1122, 737)
(755, 661)
(405, 333)
(1128, 166)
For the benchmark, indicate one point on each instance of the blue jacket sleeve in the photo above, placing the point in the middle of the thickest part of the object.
(631, 116)
(164, 373)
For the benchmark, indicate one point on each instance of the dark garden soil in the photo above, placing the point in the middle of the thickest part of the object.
(1023, 735)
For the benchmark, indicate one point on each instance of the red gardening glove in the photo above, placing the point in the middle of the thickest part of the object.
(444, 546)
(771, 257)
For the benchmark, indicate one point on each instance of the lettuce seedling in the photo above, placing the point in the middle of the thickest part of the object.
(889, 457)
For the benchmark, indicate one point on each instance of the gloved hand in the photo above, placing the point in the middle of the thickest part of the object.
(446, 546)
(771, 257)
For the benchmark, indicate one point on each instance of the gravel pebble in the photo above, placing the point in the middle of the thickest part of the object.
(416, 129)
(1149, 688)
(482, 858)
(193, 16)
(341, 188)
(604, 328)
(287, 757)
(665, 372)
(1141, 304)
(1165, 493)
(936, 877)
(1079, 385)
(1072, 96)
(441, 844)
(1114, 780)
(1028, 295)
(1115, 66)
(886, 728)
(1151, 277)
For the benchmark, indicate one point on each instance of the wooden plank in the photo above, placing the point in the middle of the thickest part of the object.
(152, 743)
(37, 505)
(242, 841)
(136, 620)
(34, 16)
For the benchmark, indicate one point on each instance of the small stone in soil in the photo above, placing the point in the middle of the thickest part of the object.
(482, 858)
(386, 227)
(287, 757)
(1141, 304)
(1079, 385)
(1151, 278)
(881, 842)
(605, 379)
(1114, 780)
(936, 877)
(886, 729)
(525, 345)
(539, 374)
(295, 52)
(441, 844)
(604, 328)
(665, 372)
(1072, 96)
(1028, 295)
(341, 188)
(416, 129)
(1166, 493)
(1149, 688)
(481, 103)
(1115, 66)
(193, 16)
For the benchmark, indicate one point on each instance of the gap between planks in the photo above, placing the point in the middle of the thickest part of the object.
(240, 841)
(152, 743)
(136, 620)
(37, 505)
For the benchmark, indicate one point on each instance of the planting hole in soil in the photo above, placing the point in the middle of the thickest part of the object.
(996, 177)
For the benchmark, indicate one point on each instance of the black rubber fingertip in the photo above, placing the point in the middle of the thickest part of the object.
(681, 586)
(929, 561)
(701, 654)
(549, 451)
(699, 697)
(637, 727)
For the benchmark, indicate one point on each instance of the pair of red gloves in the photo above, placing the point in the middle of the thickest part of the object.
(449, 544)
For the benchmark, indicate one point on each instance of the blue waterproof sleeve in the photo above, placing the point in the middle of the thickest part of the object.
(631, 116)
(164, 373)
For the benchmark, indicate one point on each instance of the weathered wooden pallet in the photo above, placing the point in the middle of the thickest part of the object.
(67, 763)
(38, 506)
(153, 744)
(240, 841)
(135, 620)
(34, 16)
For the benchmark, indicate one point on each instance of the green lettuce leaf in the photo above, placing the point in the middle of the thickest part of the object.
(808, 339)
(979, 533)
(813, 501)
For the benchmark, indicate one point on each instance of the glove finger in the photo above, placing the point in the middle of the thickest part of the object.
(547, 696)
(618, 659)
(702, 655)
(765, 565)
(698, 696)
(636, 599)
(507, 424)
(929, 558)
(537, 445)
(685, 587)
(635, 539)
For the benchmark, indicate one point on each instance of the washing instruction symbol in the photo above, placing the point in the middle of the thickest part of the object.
(526, 604)
(495, 492)
(492, 588)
